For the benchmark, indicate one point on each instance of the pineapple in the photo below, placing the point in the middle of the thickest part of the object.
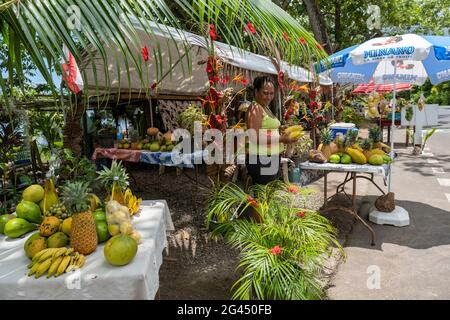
(115, 180)
(367, 145)
(75, 196)
(376, 136)
(350, 138)
(327, 139)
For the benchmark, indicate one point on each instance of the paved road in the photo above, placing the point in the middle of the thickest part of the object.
(412, 262)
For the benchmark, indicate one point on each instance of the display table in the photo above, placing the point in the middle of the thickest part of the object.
(354, 171)
(117, 154)
(169, 159)
(97, 279)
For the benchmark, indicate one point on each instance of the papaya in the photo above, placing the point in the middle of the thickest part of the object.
(377, 151)
(17, 227)
(4, 218)
(34, 193)
(376, 160)
(34, 244)
(29, 211)
(49, 226)
(356, 155)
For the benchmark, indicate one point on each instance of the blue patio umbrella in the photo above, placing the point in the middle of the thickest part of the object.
(405, 58)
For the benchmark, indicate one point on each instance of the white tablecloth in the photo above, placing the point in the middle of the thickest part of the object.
(97, 279)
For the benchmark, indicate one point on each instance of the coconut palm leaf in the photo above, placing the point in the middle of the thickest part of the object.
(42, 27)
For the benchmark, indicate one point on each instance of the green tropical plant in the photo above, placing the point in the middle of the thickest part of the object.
(48, 125)
(282, 257)
(74, 168)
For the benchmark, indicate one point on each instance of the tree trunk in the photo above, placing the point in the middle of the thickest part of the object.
(318, 25)
(337, 26)
(73, 133)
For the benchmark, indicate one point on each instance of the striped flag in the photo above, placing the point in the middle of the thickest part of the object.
(72, 74)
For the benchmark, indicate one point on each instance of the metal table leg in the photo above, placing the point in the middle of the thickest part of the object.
(353, 210)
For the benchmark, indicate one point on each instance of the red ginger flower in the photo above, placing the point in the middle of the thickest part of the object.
(276, 250)
(251, 28)
(252, 201)
(212, 32)
(300, 214)
(144, 52)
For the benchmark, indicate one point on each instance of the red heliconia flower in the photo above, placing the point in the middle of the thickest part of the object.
(293, 188)
(300, 214)
(285, 36)
(276, 250)
(144, 52)
(153, 87)
(251, 28)
(213, 80)
(302, 41)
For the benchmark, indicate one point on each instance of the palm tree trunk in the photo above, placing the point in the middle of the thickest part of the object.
(73, 132)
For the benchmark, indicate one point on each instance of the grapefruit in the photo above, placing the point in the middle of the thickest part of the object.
(120, 250)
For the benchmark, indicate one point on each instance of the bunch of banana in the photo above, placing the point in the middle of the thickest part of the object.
(374, 100)
(55, 261)
(295, 132)
(131, 201)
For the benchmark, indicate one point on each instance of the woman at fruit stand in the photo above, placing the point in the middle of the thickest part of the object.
(266, 144)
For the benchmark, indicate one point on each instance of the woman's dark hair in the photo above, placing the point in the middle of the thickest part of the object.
(258, 84)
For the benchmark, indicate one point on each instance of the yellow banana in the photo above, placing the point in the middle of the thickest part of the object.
(34, 268)
(55, 264)
(48, 254)
(293, 128)
(62, 266)
(295, 135)
(31, 264)
(59, 252)
(71, 264)
(39, 254)
(81, 261)
(43, 267)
